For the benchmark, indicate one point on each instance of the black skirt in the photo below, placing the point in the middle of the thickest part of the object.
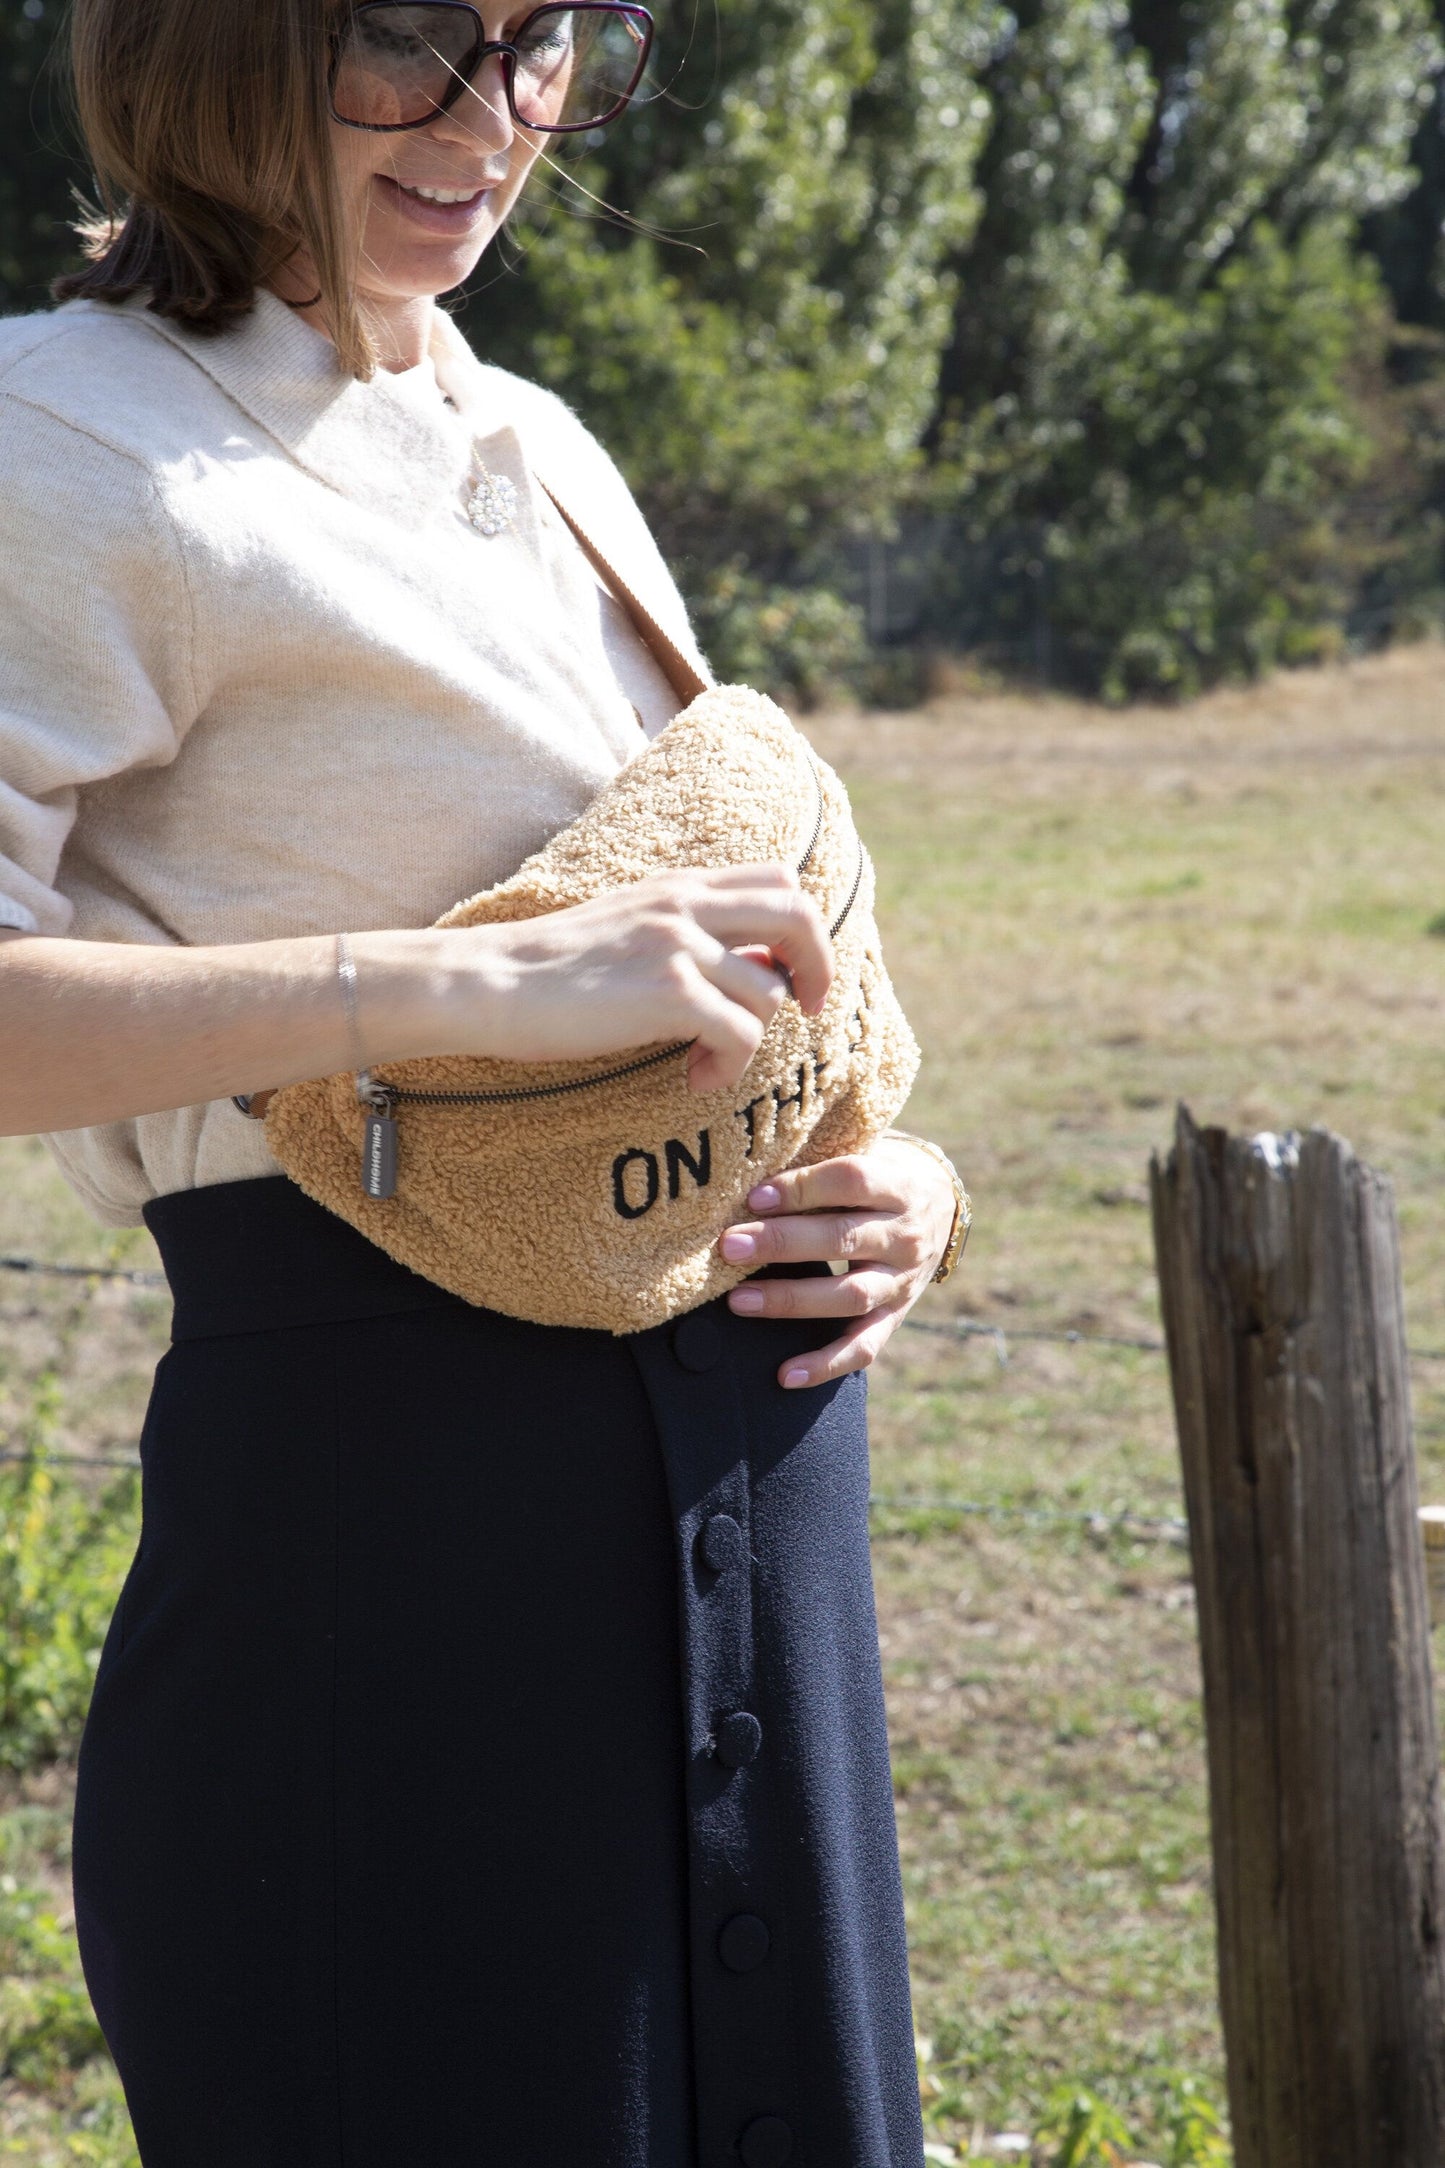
(487, 1763)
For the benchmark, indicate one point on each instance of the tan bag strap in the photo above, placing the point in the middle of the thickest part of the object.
(674, 665)
(665, 652)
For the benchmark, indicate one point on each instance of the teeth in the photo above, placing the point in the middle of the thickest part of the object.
(438, 195)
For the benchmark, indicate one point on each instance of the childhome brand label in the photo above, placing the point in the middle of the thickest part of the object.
(378, 1156)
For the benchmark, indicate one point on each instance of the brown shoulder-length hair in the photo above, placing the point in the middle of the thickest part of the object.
(208, 130)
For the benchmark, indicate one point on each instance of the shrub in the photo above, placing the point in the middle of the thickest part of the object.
(1082, 2131)
(1192, 2124)
(63, 1556)
(800, 642)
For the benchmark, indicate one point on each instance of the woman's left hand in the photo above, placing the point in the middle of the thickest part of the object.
(885, 1213)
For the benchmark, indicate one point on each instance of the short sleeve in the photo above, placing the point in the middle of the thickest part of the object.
(96, 642)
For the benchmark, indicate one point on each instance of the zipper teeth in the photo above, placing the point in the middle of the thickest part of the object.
(807, 858)
(532, 1091)
(852, 896)
(400, 1095)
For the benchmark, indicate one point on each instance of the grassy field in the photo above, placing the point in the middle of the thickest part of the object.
(1090, 916)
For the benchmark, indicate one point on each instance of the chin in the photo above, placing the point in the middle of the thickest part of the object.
(421, 280)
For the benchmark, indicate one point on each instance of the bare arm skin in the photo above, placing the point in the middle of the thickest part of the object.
(97, 1032)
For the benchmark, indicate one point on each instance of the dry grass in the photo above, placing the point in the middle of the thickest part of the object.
(1090, 916)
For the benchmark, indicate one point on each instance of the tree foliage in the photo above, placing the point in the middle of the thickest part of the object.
(1409, 237)
(1161, 311)
(39, 166)
(1100, 261)
(757, 338)
(1079, 285)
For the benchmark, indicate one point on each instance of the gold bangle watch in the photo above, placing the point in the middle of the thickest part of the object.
(962, 1205)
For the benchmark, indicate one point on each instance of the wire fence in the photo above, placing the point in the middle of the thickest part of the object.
(43, 1268)
(1116, 1521)
(955, 1328)
(1092, 1521)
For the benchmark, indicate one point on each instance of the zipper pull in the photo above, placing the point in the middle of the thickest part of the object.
(378, 1148)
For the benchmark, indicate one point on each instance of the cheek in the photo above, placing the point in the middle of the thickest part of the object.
(354, 161)
(526, 151)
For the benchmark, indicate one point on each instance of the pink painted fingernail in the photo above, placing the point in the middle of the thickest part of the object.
(747, 1298)
(765, 1197)
(795, 1377)
(737, 1245)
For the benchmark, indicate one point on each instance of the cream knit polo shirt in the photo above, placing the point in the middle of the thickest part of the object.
(259, 675)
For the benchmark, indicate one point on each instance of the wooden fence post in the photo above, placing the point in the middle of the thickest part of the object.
(1280, 1279)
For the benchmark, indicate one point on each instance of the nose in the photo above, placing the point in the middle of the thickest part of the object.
(481, 115)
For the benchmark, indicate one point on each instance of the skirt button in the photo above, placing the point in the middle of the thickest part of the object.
(766, 2143)
(738, 1739)
(722, 1543)
(743, 1942)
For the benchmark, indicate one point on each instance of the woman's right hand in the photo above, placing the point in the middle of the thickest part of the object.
(707, 956)
(99, 1031)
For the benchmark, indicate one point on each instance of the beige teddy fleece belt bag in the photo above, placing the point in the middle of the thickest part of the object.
(593, 1193)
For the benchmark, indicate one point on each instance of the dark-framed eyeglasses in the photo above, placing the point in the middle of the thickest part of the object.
(399, 63)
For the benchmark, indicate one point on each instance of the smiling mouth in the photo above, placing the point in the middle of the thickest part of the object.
(444, 195)
(435, 209)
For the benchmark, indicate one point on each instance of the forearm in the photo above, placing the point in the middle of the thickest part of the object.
(96, 1031)
(99, 1031)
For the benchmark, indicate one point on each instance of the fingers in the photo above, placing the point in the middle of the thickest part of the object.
(765, 906)
(745, 996)
(695, 956)
(750, 980)
(852, 1294)
(859, 1182)
(807, 1237)
(857, 1348)
(726, 1035)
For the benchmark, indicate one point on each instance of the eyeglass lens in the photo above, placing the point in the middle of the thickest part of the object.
(400, 65)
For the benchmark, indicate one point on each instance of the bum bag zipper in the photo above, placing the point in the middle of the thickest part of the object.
(381, 1100)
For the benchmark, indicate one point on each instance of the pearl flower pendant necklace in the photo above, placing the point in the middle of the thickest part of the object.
(492, 499)
(492, 505)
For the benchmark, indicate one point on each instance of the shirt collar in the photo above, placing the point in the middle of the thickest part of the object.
(382, 450)
(369, 441)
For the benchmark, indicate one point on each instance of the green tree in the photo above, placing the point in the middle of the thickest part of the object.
(1409, 237)
(1161, 311)
(40, 166)
(1081, 279)
(759, 342)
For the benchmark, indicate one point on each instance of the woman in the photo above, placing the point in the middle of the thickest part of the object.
(486, 1762)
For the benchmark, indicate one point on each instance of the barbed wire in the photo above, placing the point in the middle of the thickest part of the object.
(42, 1267)
(956, 1328)
(73, 1460)
(1117, 1520)
(1171, 1528)
(1066, 1335)
(974, 1328)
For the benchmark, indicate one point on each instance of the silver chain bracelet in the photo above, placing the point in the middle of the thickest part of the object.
(346, 973)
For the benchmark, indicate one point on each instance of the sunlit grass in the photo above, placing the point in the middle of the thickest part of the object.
(1090, 917)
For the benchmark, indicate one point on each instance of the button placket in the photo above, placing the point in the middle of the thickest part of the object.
(740, 2007)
